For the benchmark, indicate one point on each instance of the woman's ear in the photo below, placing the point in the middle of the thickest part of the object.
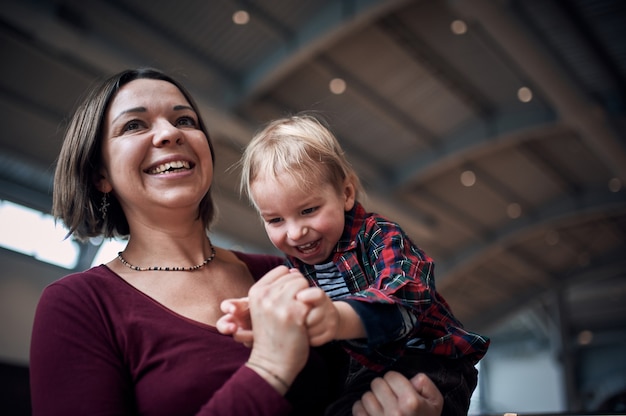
(102, 183)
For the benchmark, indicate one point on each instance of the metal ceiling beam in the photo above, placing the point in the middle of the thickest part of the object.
(611, 264)
(586, 117)
(25, 182)
(322, 30)
(587, 203)
(43, 27)
(385, 108)
(504, 130)
(437, 66)
(175, 43)
(81, 51)
(614, 76)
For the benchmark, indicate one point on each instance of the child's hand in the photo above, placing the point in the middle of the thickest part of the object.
(322, 320)
(236, 320)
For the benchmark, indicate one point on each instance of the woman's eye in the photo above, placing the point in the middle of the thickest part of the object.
(187, 122)
(132, 126)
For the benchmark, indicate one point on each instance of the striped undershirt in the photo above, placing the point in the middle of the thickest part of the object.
(330, 280)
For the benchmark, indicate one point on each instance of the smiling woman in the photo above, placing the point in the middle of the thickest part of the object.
(124, 325)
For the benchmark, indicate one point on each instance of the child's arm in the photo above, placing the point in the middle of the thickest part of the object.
(328, 320)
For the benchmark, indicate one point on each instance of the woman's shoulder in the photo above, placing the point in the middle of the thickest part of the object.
(93, 275)
(95, 282)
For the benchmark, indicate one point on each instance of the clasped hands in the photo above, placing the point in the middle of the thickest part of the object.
(319, 316)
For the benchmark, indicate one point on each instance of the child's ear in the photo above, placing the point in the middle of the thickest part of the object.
(349, 193)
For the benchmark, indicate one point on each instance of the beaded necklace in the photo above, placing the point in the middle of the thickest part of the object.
(168, 269)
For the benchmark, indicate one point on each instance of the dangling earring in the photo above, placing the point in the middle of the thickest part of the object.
(104, 204)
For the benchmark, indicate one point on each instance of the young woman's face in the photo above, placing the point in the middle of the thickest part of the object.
(155, 156)
(302, 223)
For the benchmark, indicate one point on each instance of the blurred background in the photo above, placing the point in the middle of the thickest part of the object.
(492, 131)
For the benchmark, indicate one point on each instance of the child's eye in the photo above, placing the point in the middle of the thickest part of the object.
(308, 211)
(273, 220)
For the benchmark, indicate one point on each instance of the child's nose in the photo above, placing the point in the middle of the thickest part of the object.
(297, 231)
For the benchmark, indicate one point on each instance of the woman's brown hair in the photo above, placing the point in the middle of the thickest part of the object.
(76, 200)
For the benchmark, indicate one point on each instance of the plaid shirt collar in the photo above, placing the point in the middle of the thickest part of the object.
(353, 223)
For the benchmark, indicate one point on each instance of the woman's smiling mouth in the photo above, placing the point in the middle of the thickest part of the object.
(169, 167)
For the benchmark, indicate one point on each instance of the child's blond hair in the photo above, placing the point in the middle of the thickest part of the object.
(302, 147)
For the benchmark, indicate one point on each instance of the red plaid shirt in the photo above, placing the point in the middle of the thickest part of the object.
(391, 282)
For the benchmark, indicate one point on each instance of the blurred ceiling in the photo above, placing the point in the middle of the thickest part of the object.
(492, 131)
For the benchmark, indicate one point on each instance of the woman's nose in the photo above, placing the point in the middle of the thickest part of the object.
(165, 134)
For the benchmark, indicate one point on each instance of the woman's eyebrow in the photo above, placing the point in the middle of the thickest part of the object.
(130, 110)
(183, 107)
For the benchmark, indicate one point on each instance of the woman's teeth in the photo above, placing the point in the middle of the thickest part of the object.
(164, 167)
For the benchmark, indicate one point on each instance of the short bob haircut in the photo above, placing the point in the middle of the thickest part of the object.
(76, 200)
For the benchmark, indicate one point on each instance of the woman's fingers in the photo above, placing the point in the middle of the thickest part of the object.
(272, 276)
(395, 394)
(429, 391)
(367, 406)
(392, 387)
(370, 404)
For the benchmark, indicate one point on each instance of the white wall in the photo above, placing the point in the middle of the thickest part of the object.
(522, 383)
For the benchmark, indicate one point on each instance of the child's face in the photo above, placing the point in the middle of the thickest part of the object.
(302, 223)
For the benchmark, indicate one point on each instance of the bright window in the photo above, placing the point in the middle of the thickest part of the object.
(108, 250)
(34, 233)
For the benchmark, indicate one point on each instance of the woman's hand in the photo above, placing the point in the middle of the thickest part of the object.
(281, 344)
(394, 394)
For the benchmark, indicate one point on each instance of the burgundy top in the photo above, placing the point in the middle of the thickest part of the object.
(101, 347)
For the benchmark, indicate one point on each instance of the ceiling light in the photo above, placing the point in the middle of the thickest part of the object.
(585, 337)
(468, 178)
(615, 185)
(458, 27)
(514, 210)
(524, 94)
(241, 17)
(337, 86)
